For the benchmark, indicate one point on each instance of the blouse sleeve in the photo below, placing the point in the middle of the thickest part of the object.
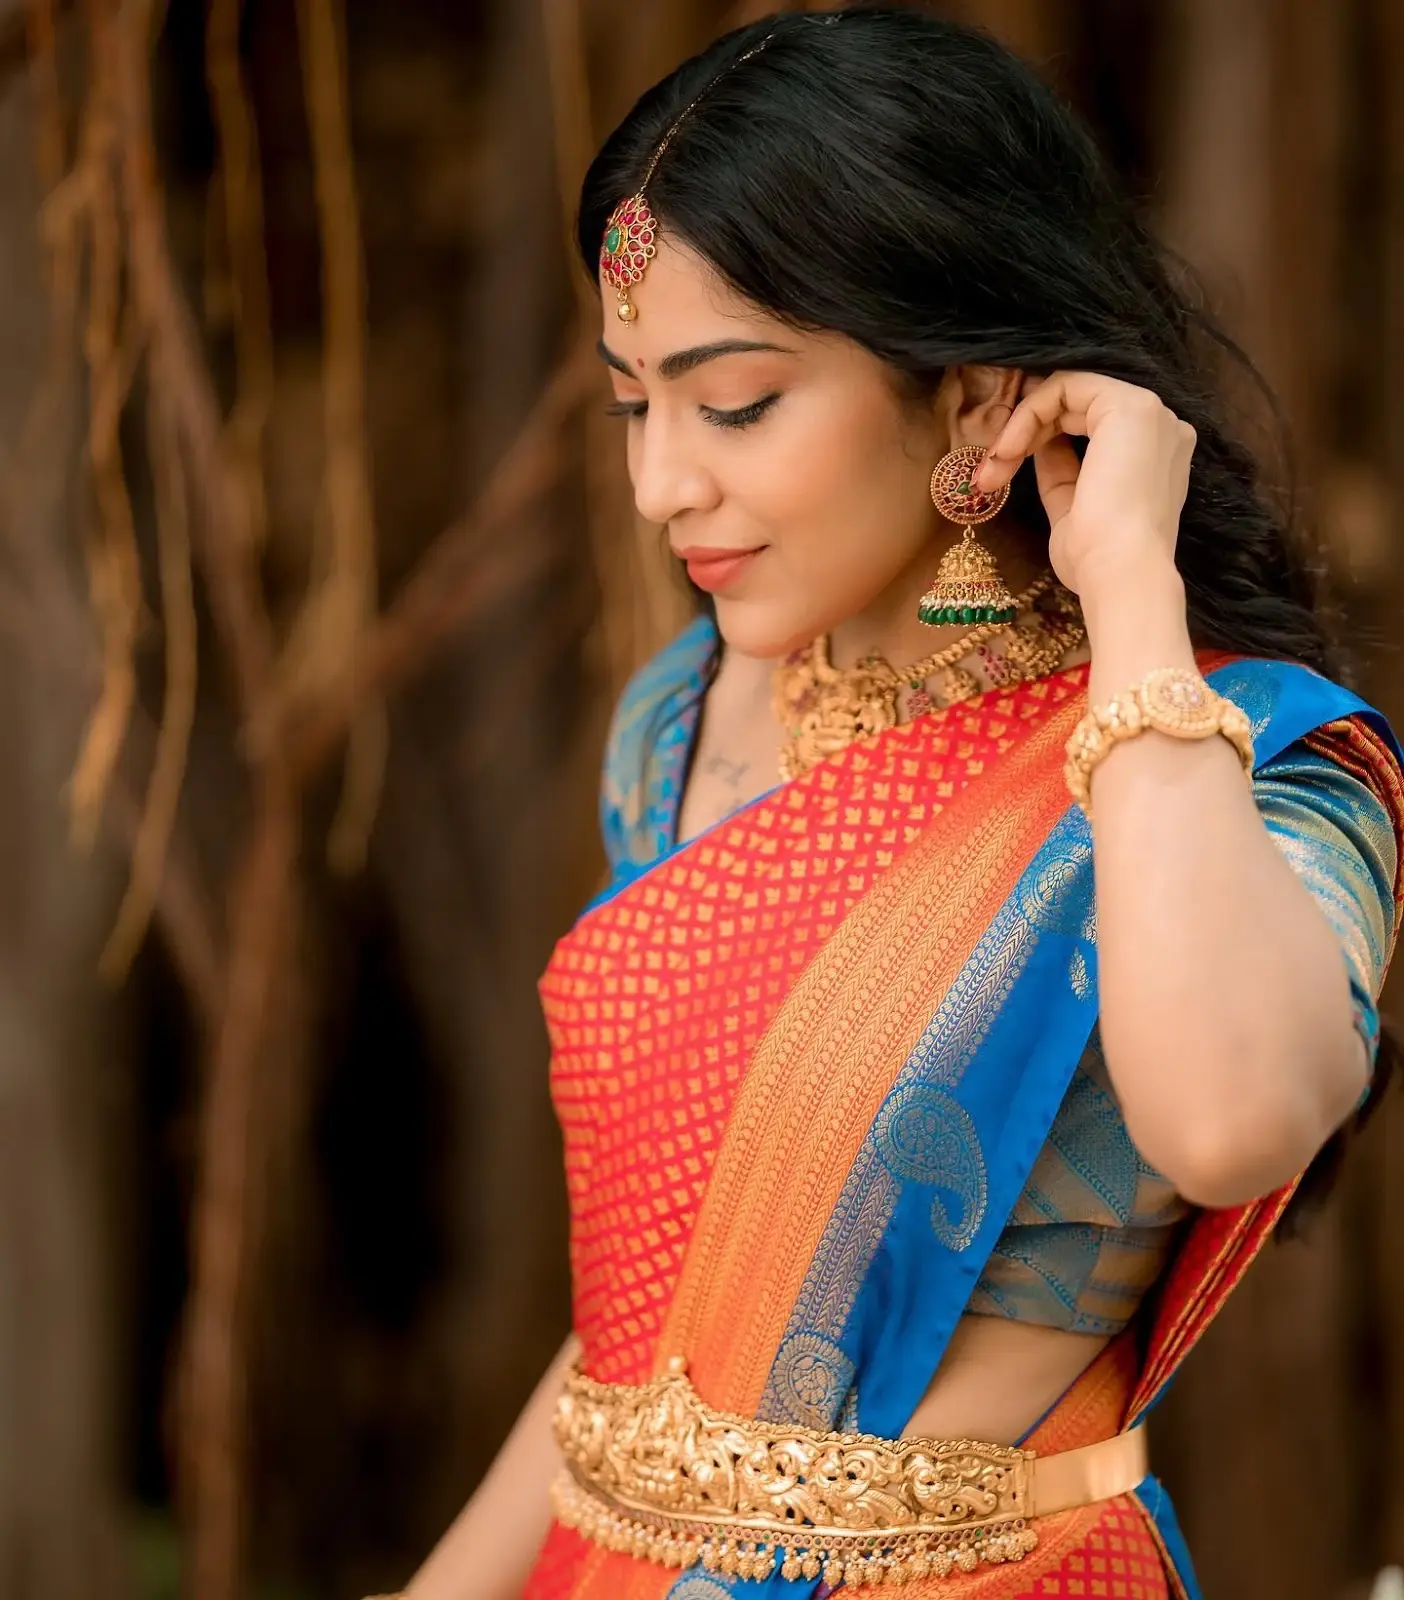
(1338, 837)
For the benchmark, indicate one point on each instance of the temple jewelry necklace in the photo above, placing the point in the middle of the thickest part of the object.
(823, 709)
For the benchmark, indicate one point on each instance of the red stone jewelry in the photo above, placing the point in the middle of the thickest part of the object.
(630, 235)
(627, 249)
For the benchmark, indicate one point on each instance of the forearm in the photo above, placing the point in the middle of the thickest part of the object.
(1225, 1005)
(488, 1551)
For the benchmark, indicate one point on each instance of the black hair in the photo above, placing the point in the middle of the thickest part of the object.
(910, 183)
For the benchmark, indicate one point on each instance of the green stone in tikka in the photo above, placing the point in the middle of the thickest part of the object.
(613, 239)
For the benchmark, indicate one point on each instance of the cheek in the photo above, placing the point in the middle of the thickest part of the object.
(840, 494)
(844, 490)
(827, 453)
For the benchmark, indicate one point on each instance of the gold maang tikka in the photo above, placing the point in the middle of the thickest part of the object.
(627, 249)
(631, 234)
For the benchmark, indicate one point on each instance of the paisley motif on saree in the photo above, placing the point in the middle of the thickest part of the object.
(804, 1065)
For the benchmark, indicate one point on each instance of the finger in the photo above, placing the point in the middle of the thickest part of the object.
(1026, 432)
(1085, 391)
(1063, 402)
(1051, 405)
(1056, 468)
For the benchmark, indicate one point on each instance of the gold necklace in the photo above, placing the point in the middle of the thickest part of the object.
(823, 709)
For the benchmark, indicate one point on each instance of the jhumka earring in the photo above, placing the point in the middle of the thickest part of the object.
(967, 587)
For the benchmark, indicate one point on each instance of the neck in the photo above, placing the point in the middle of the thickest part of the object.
(889, 625)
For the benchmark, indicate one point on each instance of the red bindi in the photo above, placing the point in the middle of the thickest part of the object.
(641, 362)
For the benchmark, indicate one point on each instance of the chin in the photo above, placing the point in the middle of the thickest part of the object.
(763, 632)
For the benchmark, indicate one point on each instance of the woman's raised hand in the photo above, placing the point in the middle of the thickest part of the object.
(1115, 514)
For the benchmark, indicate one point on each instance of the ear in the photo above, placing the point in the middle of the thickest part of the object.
(979, 401)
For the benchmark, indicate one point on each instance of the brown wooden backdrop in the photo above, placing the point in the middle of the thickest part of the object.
(314, 544)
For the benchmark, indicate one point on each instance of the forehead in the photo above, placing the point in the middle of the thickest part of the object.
(681, 300)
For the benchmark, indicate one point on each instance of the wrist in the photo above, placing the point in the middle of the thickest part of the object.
(1136, 621)
(1118, 585)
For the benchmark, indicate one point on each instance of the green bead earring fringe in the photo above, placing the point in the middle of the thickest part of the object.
(936, 615)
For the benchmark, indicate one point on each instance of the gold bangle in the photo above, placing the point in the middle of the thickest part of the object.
(1171, 700)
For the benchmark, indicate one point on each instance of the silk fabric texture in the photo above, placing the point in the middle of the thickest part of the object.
(804, 1064)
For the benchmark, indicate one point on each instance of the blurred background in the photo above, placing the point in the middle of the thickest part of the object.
(318, 574)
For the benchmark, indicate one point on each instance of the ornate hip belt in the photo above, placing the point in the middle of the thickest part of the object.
(654, 1472)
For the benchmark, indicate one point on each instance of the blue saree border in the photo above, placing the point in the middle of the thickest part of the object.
(1158, 1506)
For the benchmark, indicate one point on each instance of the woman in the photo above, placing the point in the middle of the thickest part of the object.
(958, 1020)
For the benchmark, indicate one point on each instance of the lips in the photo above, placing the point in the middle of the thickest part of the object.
(716, 569)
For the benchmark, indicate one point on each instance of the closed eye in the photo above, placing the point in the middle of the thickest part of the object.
(743, 417)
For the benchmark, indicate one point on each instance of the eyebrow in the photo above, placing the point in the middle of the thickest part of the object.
(679, 362)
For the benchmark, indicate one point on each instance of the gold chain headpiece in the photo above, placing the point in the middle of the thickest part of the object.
(628, 245)
(631, 233)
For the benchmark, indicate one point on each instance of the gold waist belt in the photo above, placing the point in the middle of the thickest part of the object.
(654, 1472)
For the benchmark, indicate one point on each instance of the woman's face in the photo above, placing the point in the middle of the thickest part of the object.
(789, 475)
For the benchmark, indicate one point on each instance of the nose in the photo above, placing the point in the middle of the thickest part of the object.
(667, 475)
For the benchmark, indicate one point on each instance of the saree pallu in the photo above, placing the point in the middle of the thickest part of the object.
(803, 1066)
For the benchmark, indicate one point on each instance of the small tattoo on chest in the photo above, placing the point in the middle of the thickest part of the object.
(730, 772)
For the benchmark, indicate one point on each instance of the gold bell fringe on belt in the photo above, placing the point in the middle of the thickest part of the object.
(655, 1473)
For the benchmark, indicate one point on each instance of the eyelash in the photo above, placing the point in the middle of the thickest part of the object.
(742, 418)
